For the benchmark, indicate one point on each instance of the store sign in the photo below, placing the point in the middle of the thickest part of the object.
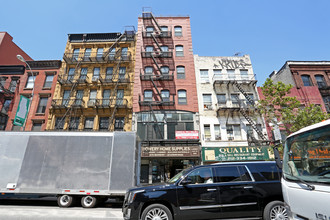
(168, 151)
(186, 135)
(210, 154)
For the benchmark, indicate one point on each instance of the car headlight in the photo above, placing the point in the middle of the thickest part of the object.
(132, 195)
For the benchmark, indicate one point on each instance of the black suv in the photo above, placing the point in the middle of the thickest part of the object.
(245, 190)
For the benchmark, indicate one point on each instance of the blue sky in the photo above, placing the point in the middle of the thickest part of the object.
(271, 32)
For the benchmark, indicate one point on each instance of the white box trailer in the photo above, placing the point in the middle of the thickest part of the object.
(86, 166)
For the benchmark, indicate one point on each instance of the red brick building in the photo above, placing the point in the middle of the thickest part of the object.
(11, 72)
(45, 74)
(165, 101)
(310, 80)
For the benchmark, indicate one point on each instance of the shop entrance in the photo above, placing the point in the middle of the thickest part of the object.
(177, 166)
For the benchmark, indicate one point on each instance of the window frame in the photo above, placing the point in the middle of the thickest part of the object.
(183, 99)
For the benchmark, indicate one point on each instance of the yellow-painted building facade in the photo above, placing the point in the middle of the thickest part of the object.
(94, 89)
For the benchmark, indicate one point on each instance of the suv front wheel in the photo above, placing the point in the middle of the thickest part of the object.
(156, 212)
(275, 211)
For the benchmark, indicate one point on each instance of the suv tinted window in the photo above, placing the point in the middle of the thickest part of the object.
(202, 175)
(268, 171)
(231, 174)
(245, 175)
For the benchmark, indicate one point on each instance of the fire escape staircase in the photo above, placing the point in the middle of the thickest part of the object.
(247, 117)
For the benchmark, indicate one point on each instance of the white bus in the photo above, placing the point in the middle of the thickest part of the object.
(306, 172)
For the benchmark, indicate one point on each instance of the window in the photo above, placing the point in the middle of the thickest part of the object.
(221, 98)
(244, 74)
(207, 99)
(249, 132)
(13, 84)
(66, 97)
(231, 74)
(2, 81)
(119, 124)
(79, 97)
(87, 54)
(30, 82)
(306, 80)
(124, 53)
(72, 72)
(179, 51)
(122, 72)
(231, 174)
(165, 95)
(269, 171)
(89, 123)
(178, 31)
(112, 54)
(59, 123)
(149, 31)
(120, 97)
(96, 72)
(165, 70)
(148, 70)
(108, 73)
(204, 76)
(104, 124)
(48, 81)
(6, 105)
(36, 126)
(3, 122)
(149, 48)
(234, 98)
(217, 133)
(180, 72)
(201, 176)
(74, 123)
(148, 95)
(106, 97)
(92, 97)
(182, 97)
(99, 53)
(164, 30)
(320, 81)
(164, 48)
(207, 132)
(42, 105)
(233, 132)
(217, 74)
(75, 54)
(250, 100)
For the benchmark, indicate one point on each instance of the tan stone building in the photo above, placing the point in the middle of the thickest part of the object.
(95, 85)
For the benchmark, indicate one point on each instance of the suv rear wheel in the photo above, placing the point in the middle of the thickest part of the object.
(275, 211)
(156, 212)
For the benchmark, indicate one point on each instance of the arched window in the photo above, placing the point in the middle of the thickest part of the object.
(182, 97)
(180, 72)
(148, 70)
(179, 51)
(165, 69)
(149, 31)
(178, 31)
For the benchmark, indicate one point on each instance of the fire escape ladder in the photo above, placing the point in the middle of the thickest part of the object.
(253, 124)
(153, 58)
(114, 44)
(244, 93)
(154, 38)
(156, 124)
(161, 98)
(154, 19)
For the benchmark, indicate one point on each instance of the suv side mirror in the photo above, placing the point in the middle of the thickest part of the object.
(277, 158)
(186, 181)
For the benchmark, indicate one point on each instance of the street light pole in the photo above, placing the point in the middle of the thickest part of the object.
(19, 57)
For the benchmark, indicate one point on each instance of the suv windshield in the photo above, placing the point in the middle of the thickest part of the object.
(179, 175)
(307, 156)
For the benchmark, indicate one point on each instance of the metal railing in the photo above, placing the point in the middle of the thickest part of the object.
(235, 104)
(161, 34)
(67, 103)
(72, 58)
(148, 77)
(159, 54)
(111, 103)
(165, 102)
(218, 78)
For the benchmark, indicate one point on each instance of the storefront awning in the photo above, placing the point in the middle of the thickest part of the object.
(219, 154)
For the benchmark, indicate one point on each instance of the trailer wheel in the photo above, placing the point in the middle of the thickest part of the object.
(88, 201)
(65, 201)
(275, 210)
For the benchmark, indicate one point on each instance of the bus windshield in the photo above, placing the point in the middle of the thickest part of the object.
(306, 156)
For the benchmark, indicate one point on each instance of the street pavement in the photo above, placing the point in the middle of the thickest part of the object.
(48, 210)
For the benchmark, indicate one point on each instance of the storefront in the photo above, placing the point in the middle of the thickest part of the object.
(159, 163)
(226, 154)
